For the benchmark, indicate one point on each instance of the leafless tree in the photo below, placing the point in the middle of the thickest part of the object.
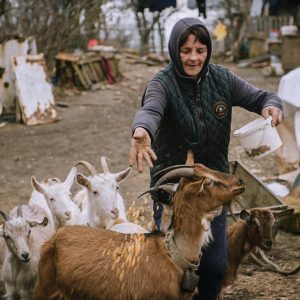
(146, 25)
(58, 25)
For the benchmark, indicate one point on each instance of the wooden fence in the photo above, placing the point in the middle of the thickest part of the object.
(267, 23)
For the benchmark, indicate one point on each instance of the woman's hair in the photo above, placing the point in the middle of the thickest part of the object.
(201, 35)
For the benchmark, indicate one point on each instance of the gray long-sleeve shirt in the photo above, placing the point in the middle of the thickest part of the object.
(243, 94)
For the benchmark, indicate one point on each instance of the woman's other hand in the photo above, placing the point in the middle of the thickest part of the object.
(273, 111)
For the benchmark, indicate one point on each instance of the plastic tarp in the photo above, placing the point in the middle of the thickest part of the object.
(288, 89)
(289, 92)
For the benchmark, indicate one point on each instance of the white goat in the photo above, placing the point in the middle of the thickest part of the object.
(21, 241)
(100, 200)
(55, 197)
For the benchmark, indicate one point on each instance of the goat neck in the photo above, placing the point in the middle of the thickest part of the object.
(187, 230)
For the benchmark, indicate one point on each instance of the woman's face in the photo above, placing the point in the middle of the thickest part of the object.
(192, 55)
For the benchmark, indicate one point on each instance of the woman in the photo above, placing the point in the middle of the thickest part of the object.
(188, 105)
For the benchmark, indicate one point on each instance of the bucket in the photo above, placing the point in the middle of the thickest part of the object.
(259, 138)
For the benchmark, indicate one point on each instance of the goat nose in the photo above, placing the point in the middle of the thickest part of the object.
(68, 213)
(25, 255)
(115, 211)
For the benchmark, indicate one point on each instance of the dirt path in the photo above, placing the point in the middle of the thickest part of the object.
(99, 124)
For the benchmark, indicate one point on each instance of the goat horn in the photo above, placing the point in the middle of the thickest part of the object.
(104, 165)
(19, 211)
(166, 170)
(88, 166)
(187, 172)
(4, 214)
(146, 192)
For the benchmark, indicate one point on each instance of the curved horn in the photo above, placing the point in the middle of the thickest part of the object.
(104, 165)
(168, 169)
(146, 192)
(88, 166)
(19, 211)
(186, 172)
(4, 214)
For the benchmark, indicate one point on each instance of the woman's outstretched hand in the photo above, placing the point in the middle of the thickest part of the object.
(141, 149)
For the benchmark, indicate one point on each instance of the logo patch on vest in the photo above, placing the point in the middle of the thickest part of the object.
(220, 109)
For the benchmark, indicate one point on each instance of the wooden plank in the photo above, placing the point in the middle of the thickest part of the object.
(80, 75)
(86, 75)
(98, 69)
(67, 56)
(94, 73)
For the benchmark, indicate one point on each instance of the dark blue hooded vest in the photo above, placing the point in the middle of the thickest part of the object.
(198, 115)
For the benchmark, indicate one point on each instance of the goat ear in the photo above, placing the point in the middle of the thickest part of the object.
(70, 178)
(119, 177)
(245, 215)
(207, 182)
(190, 158)
(4, 214)
(82, 180)
(35, 223)
(283, 213)
(36, 185)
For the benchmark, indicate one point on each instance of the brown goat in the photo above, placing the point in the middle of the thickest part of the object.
(253, 229)
(85, 263)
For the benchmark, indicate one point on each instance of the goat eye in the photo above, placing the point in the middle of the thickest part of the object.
(51, 199)
(117, 187)
(95, 193)
(29, 232)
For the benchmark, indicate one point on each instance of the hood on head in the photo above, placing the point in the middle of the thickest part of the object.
(179, 28)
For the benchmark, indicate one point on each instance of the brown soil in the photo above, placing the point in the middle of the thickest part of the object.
(99, 124)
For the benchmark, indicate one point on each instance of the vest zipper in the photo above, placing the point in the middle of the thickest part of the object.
(201, 116)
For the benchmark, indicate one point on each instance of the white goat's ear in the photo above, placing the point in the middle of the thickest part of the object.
(4, 214)
(119, 177)
(70, 178)
(82, 180)
(283, 213)
(244, 215)
(36, 185)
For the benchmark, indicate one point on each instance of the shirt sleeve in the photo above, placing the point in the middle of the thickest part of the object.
(250, 97)
(153, 108)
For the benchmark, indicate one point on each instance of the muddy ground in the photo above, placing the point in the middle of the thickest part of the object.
(98, 123)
